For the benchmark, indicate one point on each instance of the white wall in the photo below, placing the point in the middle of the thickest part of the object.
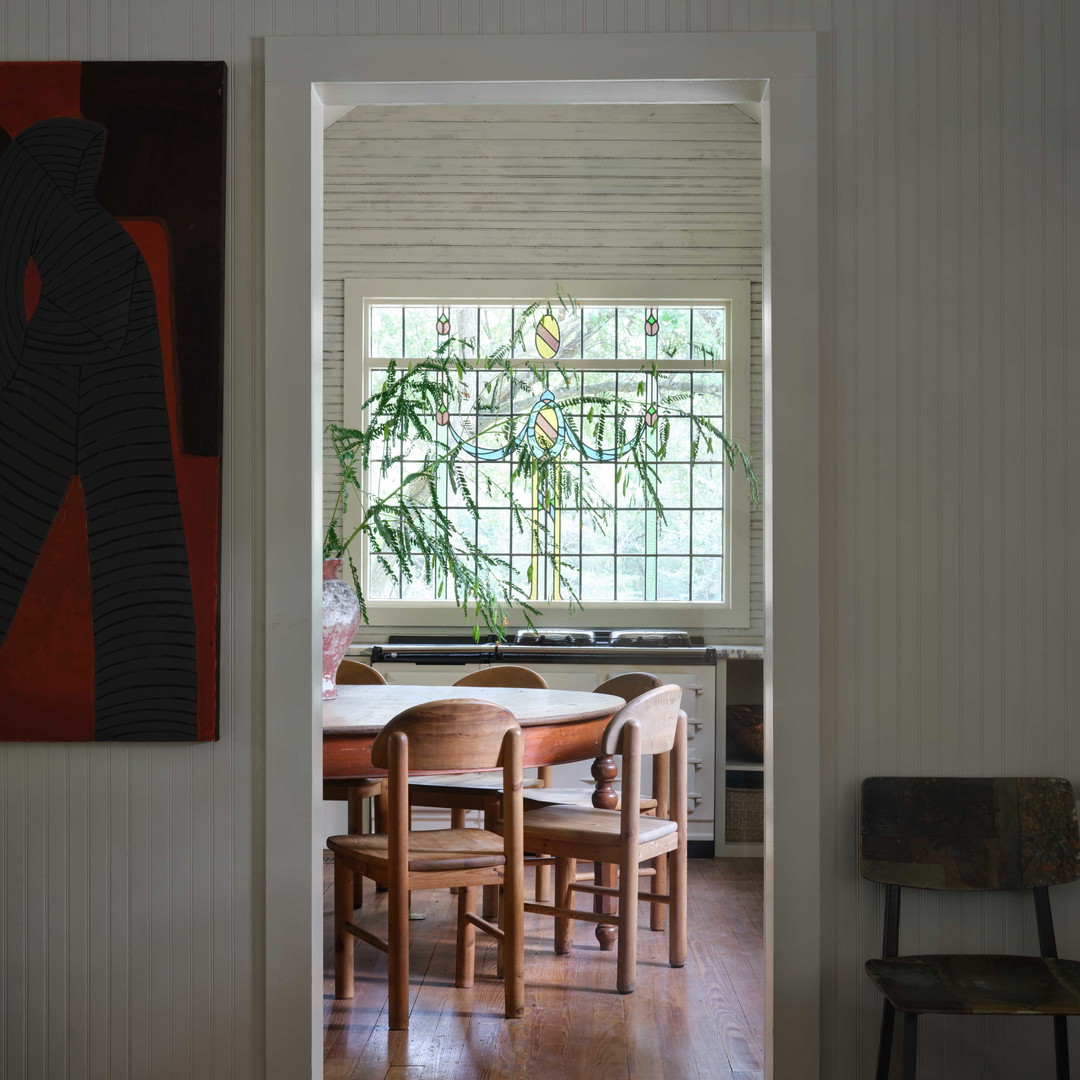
(950, 587)
(615, 192)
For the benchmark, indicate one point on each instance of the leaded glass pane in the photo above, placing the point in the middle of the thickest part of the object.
(421, 338)
(386, 335)
(710, 333)
(708, 583)
(599, 327)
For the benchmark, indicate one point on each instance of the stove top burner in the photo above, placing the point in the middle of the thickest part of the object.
(639, 639)
(543, 636)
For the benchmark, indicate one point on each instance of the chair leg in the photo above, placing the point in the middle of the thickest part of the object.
(355, 828)
(909, 1048)
(512, 924)
(398, 959)
(626, 961)
(658, 912)
(604, 874)
(491, 892)
(1061, 1046)
(884, 1052)
(565, 873)
(457, 819)
(465, 967)
(677, 892)
(382, 816)
(543, 883)
(344, 943)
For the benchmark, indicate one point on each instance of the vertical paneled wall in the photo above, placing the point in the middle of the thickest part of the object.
(950, 464)
(615, 192)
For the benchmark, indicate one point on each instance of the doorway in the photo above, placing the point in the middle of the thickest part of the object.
(306, 76)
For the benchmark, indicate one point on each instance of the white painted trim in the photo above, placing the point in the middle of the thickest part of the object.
(293, 67)
(594, 92)
(735, 292)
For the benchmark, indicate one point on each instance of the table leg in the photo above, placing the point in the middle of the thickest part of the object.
(605, 797)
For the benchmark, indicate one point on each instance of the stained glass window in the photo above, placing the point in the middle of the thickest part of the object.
(645, 356)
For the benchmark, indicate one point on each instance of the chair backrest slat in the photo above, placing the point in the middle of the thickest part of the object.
(355, 673)
(508, 675)
(630, 685)
(449, 735)
(969, 833)
(656, 712)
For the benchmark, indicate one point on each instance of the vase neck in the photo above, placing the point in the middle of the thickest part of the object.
(331, 568)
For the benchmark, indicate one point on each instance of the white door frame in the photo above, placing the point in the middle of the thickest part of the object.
(305, 74)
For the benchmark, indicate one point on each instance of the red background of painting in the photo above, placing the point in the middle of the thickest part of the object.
(47, 660)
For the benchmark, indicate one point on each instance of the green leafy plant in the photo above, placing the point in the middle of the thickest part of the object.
(402, 513)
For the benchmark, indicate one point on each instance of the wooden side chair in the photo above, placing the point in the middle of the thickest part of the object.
(356, 673)
(455, 734)
(652, 723)
(354, 792)
(970, 834)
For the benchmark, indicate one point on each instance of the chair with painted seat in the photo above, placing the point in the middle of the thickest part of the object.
(652, 723)
(354, 792)
(972, 834)
(455, 734)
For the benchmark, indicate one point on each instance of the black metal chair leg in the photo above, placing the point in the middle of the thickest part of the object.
(884, 1050)
(1061, 1046)
(909, 1047)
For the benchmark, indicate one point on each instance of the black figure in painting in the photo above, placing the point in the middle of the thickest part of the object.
(82, 393)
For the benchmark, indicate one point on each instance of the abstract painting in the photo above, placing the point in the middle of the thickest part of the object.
(111, 354)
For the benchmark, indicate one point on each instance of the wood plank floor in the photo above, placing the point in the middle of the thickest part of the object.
(703, 1022)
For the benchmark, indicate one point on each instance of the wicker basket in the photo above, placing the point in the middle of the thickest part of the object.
(744, 816)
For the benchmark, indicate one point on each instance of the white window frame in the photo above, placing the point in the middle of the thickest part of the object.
(734, 612)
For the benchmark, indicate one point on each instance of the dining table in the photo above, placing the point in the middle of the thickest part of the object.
(557, 726)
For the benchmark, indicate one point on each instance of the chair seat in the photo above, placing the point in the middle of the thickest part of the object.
(589, 826)
(464, 783)
(434, 849)
(978, 984)
(338, 790)
(553, 796)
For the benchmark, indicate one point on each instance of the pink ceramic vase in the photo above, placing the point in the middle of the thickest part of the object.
(341, 617)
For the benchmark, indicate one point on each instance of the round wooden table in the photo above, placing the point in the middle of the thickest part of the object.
(557, 726)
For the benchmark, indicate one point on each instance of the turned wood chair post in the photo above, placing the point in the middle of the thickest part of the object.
(626, 960)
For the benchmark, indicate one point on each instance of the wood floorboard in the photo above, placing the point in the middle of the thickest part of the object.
(702, 1022)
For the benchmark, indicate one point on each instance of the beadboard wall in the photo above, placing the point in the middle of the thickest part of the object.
(611, 192)
(129, 924)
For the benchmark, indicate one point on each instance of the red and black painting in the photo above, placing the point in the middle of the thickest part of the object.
(111, 346)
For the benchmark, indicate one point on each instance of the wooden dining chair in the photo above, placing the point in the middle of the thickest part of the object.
(455, 734)
(477, 791)
(354, 792)
(652, 723)
(355, 673)
(970, 834)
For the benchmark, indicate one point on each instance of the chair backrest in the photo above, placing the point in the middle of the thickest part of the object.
(509, 675)
(969, 833)
(656, 713)
(630, 685)
(449, 735)
(354, 673)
